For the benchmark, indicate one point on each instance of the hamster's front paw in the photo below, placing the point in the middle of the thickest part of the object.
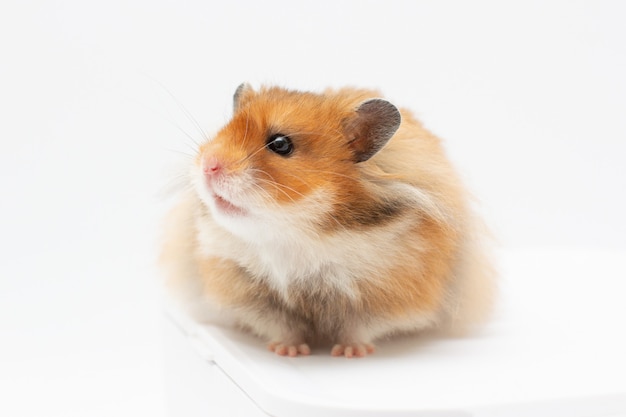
(289, 349)
(352, 350)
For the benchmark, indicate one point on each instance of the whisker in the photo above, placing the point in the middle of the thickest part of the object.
(326, 172)
(298, 178)
(184, 110)
(275, 183)
(164, 116)
(266, 197)
(269, 196)
(244, 159)
(260, 171)
(175, 184)
(188, 155)
(277, 186)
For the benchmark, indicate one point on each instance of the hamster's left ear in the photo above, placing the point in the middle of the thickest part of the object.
(241, 95)
(372, 126)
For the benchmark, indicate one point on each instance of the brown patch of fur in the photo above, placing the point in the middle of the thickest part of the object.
(366, 212)
(316, 315)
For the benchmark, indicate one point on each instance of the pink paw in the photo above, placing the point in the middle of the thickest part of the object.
(352, 350)
(289, 350)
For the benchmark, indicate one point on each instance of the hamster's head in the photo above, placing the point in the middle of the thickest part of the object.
(289, 158)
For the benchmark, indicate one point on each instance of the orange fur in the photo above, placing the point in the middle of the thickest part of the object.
(417, 283)
(330, 247)
(312, 119)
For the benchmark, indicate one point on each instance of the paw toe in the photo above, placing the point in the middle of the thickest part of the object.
(352, 350)
(291, 350)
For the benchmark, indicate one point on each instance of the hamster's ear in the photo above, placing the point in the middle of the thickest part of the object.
(241, 95)
(372, 126)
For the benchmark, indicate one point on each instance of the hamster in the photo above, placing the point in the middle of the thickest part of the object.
(326, 219)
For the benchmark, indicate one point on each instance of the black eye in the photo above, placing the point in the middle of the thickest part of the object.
(280, 144)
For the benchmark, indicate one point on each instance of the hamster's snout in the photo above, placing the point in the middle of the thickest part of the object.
(218, 186)
(212, 167)
(215, 170)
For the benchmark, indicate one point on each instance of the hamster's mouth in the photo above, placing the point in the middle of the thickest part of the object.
(226, 207)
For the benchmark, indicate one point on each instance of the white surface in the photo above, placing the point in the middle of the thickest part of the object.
(547, 353)
(196, 386)
(530, 97)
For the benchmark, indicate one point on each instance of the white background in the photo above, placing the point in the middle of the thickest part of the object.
(530, 97)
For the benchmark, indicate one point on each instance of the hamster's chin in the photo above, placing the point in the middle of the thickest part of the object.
(226, 208)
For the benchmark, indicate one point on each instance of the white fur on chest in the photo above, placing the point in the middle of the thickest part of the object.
(285, 249)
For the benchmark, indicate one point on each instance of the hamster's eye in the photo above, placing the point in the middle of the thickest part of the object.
(280, 144)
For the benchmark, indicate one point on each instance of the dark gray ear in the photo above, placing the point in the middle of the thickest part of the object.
(375, 123)
(240, 93)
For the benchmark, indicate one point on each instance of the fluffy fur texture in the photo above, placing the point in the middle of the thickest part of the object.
(360, 231)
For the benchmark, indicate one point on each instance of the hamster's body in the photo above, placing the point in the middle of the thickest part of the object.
(326, 218)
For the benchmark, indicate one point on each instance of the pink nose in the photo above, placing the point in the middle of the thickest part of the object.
(212, 166)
